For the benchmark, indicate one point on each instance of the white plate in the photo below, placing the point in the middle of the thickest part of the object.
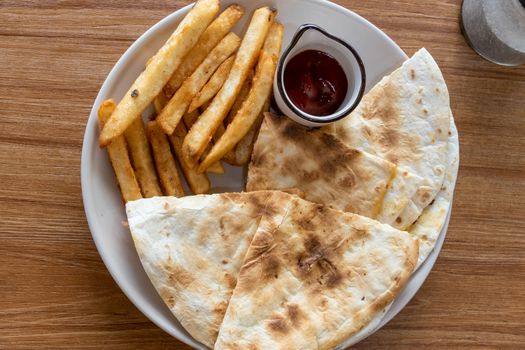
(104, 209)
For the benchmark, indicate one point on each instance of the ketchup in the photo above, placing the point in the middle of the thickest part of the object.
(315, 82)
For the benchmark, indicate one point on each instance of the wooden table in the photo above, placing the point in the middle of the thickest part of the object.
(55, 292)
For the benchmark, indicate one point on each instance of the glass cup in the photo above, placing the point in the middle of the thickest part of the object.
(495, 29)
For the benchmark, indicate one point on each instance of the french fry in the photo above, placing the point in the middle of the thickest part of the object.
(216, 137)
(199, 183)
(202, 131)
(219, 132)
(171, 115)
(243, 94)
(213, 85)
(118, 155)
(189, 120)
(160, 102)
(205, 106)
(252, 107)
(244, 149)
(215, 168)
(230, 157)
(209, 39)
(139, 151)
(151, 81)
(166, 166)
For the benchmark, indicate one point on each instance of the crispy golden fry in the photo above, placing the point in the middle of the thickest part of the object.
(252, 107)
(189, 120)
(230, 157)
(166, 166)
(140, 154)
(204, 107)
(178, 105)
(243, 95)
(244, 149)
(160, 102)
(219, 132)
(209, 39)
(213, 85)
(215, 168)
(118, 155)
(202, 131)
(151, 81)
(199, 183)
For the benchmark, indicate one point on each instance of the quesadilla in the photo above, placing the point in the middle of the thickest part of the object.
(328, 171)
(315, 278)
(429, 225)
(192, 249)
(405, 119)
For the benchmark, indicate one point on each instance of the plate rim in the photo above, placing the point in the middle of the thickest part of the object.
(88, 198)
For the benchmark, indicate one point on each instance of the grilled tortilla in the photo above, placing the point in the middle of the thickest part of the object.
(314, 278)
(405, 119)
(327, 171)
(428, 226)
(192, 249)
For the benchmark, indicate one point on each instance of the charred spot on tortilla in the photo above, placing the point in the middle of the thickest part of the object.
(329, 140)
(180, 276)
(366, 131)
(220, 308)
(424, 193)
(294, 314)
(263, 208)
(382, 106)
(293, 131)
(317, 257)
(349, 180)
(271, 267)
(278, 324)
(258, 159)
(337, 158)
(389, 138)
(231, 280)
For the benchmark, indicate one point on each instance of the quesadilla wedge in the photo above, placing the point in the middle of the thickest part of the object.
(328, 171)
(192, 249)
(405, 119)
(314, 279)
(428, 226)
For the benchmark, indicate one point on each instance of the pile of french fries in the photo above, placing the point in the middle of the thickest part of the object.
(210, 90)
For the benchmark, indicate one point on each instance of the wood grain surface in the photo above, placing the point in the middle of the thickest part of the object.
(55, 292)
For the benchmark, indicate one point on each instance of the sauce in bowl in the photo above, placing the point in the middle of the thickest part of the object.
(315, 82)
